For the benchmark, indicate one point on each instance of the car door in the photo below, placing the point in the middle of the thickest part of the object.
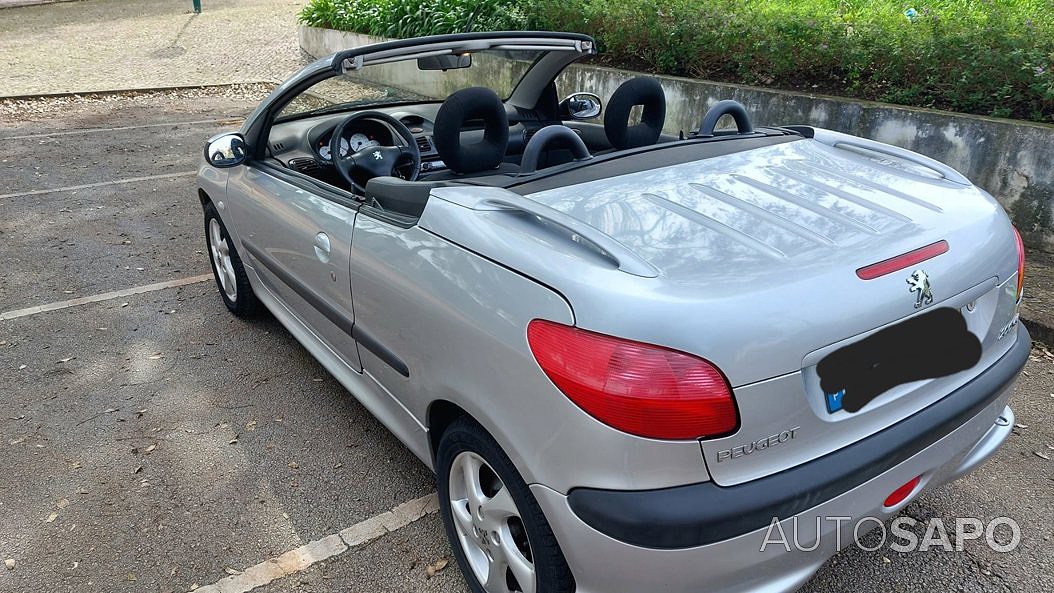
(298, 240)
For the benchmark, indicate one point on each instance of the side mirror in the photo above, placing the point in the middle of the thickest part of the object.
(225, 150)
(580, 106)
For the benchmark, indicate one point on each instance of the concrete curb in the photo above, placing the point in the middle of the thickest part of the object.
(21, 3)
(24, 3)
(127, 91)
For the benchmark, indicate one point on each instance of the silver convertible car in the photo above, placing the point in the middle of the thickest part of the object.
(627, 352)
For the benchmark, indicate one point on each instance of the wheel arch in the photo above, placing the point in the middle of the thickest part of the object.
(441, 414)
(204, 197)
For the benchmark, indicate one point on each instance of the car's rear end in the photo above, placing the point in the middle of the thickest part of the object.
(830, 321)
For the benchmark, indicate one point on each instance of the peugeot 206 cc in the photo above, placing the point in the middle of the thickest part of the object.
(625, 350)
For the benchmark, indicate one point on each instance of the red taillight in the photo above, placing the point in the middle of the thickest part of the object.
(901, 493)
(1020, 262)
(642, 389)
(904, 260)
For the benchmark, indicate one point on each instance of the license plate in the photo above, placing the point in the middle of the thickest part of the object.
(936, 344)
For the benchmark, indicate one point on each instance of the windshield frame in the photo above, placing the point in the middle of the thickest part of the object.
(569, 47)
(360, 104)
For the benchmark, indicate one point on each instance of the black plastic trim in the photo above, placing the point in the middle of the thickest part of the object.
(330, 312)
(309, 184)
(367, 341)
(339, 57)
(700, 514)
(305, 292)
(633, 160)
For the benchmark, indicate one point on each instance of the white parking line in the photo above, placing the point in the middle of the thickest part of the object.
(38, 192)
(102, 297)
(321, 549)
(230, 120)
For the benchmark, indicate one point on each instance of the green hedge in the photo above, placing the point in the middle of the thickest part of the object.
(414, 18)
(990, 57)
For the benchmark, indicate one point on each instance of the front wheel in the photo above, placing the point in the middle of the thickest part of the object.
(500, 537)
(227, 267)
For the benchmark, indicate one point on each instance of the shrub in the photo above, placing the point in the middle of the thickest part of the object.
(413, 18)
(989, 57)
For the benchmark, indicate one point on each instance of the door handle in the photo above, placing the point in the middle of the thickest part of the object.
(322, 247)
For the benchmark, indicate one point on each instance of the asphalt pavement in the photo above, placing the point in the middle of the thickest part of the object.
(153, 442)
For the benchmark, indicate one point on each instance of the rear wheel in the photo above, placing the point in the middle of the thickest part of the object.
(227, 267)
(500, 537)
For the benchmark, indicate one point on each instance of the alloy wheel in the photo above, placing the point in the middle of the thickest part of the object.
(489, 527)
(221, 259)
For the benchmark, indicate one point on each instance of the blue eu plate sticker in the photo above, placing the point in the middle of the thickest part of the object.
(834, 401)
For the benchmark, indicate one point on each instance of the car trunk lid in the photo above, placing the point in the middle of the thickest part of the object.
(756, 256)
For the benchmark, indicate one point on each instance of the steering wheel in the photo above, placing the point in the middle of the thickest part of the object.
(374, 161)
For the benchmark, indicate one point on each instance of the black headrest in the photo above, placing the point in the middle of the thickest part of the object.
(645, 91)
(472, 104)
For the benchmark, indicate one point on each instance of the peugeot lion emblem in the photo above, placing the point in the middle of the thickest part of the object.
(377, 155)
(919, 283)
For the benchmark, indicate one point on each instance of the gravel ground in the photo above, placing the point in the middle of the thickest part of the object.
(162, 443)
(120, 44)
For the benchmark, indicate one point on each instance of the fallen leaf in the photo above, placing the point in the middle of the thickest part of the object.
(250, 426)
(137, 470)
(436, 567)
(150, 448)
(109, 410)
(123, 305)
(154, 356)
(76, 465)
(294, 465)
(233, 441)
(21, 367)
(51, 518)
(1043, 455)
(1019, 425)
(65, 360)
(131, 577)
(10, 563)
(63, 503)
(231, 571)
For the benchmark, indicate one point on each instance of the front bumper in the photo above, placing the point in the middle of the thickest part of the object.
(634, 541)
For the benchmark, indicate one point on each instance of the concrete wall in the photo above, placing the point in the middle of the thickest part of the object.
(1013, 160)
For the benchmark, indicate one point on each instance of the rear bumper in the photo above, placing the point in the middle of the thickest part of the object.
(704, 536)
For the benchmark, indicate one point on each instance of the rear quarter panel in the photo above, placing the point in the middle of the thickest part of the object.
(459, 322)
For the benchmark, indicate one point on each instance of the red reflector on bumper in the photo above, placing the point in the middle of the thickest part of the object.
(901, 493)
(904, 260)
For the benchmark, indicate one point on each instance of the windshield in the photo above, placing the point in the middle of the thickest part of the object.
(406, 81)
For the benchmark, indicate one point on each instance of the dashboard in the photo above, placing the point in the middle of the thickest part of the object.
(304, 144)
(360, 135)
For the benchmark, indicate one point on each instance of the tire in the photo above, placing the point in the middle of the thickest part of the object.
(227, 268)
(504, 536)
